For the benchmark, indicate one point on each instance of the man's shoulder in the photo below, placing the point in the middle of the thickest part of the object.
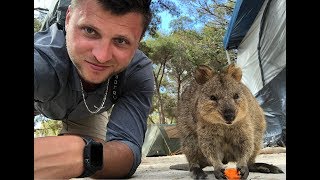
(50, 52)
(140, 60)
(140, 55)
(52, 36)
(139, 73)
(140, 65)
(52, 66)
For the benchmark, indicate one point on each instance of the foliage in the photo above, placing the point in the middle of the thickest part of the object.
(170, 105)
(48, 127)
(182, 23)
(212, 46)
(36, 25)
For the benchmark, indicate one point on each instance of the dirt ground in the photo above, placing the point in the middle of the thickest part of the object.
(158, 167)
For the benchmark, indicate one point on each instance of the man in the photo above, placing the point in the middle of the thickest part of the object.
(73, 68)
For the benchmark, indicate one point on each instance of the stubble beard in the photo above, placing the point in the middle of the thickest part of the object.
(84, 76)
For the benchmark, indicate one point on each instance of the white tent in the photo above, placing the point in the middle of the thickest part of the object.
(257, 31)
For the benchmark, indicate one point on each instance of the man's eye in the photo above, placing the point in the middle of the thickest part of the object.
(89, 31)
(121, 41)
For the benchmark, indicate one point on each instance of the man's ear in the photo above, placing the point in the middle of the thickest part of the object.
(67, 17)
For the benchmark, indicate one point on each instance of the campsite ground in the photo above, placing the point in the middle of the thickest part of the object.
(158, 167)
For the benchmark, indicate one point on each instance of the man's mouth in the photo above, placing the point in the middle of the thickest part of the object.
(97, 67)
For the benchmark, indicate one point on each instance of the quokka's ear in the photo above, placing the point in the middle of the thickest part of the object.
(203, 73)
(234, 71)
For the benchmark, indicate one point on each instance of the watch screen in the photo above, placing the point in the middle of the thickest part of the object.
(97, 154)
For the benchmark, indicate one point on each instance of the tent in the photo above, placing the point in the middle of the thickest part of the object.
(257, 32)
(161, 140)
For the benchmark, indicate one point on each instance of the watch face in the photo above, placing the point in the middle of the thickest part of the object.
(96, 155)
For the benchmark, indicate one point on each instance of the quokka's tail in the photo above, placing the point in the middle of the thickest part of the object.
(265, 168)
(183, 167)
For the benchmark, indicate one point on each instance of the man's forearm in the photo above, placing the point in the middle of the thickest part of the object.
(118, 160)
(60, 157)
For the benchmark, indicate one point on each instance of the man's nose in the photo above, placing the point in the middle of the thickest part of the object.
(102, 52)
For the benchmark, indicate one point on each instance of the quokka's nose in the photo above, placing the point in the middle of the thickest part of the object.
(229, 115)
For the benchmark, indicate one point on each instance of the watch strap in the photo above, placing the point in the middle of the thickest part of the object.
(86, 162)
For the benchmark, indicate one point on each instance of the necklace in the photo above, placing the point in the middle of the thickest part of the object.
(104, 99)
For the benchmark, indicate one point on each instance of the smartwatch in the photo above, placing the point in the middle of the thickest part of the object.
(92, 157)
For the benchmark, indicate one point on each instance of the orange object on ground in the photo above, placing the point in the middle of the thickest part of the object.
(232, 174)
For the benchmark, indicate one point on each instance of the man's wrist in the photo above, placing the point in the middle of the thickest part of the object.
(92, 157)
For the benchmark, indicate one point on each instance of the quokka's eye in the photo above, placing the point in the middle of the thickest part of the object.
(213, 98)
(236, 96)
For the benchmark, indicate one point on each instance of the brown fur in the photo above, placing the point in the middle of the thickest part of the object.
(219, 121)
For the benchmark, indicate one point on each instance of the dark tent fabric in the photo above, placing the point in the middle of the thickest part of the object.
(272, 98)
(244, 13)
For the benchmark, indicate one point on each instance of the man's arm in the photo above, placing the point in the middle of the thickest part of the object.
(128, 119)
(62, 157)
(117, 160)
(58, 157)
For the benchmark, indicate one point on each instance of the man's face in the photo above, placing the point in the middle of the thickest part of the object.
(101, 44)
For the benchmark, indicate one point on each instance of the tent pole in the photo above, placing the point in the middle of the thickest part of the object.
(228, 57)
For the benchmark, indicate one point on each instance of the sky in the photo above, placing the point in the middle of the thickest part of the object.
(166, 18)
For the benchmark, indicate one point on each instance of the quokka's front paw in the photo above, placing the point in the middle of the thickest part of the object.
(219, 174)
(244, 171)
(198, 173)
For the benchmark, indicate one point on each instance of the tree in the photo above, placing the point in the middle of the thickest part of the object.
(213, 11)
(161, 54)
(214, 16)
(185, 57)
(182, 23)
(212, 46)
(158, 6)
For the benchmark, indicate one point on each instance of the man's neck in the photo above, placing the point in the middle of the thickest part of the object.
(89, 87)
